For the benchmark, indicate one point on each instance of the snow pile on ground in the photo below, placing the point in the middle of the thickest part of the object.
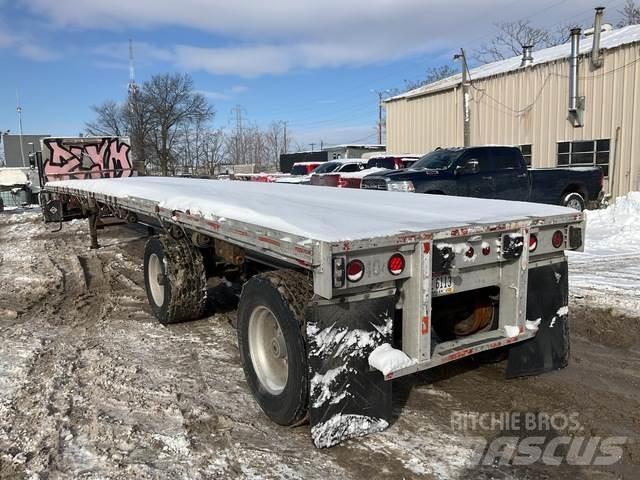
(608, 272)
(616, 228)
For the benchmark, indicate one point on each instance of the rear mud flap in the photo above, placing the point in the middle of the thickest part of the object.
(547, 300)
(347, 399)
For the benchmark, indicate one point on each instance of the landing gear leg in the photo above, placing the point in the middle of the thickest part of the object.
(93, 228)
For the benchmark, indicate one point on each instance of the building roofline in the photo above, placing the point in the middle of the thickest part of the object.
(608, 41)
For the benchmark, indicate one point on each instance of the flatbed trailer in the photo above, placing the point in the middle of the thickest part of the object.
(344, 290)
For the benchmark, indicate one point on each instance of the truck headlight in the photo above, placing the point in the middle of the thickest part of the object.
(403, 186)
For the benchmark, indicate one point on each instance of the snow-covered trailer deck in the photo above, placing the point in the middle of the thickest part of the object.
(366, 254)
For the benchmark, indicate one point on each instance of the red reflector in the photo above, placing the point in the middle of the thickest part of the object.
(486, 250)
(355, 270)
(470, 252)
(396, 264)
(558, 239)
(533, 242)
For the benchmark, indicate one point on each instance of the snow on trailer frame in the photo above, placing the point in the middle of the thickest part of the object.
(448, 246)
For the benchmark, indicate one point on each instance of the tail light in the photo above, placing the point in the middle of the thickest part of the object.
(533, 242)
(396, 264)
(355, 270)
(558, 239)
(486, 250)
(470, 252)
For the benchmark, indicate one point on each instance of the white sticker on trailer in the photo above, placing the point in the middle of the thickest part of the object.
(442, 285)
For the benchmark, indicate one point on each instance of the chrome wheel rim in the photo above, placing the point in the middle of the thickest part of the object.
(156, 273)
(268, 350)
(575, 204)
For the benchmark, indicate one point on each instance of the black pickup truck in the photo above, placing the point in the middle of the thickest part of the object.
(493, 172)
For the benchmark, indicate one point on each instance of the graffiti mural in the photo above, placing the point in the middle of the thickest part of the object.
(82, 158)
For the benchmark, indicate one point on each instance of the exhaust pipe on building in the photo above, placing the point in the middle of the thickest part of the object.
(576, 103)
(596, 54)
(527, 57)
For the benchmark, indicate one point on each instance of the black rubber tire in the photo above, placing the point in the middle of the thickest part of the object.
(286, 293)
(185, 280)
(575, 197)
(1, 205)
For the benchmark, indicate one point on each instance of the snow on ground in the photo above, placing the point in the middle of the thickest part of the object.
(607, 273)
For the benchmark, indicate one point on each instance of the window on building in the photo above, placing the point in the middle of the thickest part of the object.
(585, 153)
(526, 153)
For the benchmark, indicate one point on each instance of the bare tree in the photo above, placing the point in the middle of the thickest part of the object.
(111, 120)
(630, 14)
(172, 103)
(512, 36)
(277, 142)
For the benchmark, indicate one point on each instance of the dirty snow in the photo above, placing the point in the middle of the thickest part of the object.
(91, 386)
(607, 273)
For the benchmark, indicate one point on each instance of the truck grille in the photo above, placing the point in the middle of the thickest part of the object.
(374, 183)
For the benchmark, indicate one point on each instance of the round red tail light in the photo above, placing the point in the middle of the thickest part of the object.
(486, 250)
(396, 264)
(470, 252)
(355, 270)
(558, 239)
(533, 242)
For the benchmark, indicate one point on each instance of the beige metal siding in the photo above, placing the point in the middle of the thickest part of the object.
(529, 106)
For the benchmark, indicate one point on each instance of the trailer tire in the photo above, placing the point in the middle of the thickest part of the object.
(174, 279)
(574, 200)
(275, 366)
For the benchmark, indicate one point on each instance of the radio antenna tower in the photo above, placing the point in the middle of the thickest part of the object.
(133, 88)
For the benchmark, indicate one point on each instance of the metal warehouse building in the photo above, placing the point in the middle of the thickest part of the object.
(562, 109)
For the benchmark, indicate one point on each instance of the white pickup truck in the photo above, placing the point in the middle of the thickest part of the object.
(344, 290)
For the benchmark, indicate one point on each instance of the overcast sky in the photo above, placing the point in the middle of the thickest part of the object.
(314, 64)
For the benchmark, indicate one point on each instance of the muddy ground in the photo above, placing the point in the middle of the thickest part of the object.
(91, 386)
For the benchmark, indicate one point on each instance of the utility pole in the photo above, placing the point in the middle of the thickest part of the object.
(312, 146)
(321, 144)
(379, 118)
(239, 140)
(19, 112)
(284, 147)
(466, 98)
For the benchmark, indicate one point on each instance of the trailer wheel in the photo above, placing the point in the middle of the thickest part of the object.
(574, 200)
(175, 279)
(272, 344)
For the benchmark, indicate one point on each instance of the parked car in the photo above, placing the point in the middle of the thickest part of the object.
(354, 180)
(392, 162)
(300, 173)
(494, 172)
(305, 168)
(327, 175)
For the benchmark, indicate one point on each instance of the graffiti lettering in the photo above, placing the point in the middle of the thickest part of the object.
(82, 158)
